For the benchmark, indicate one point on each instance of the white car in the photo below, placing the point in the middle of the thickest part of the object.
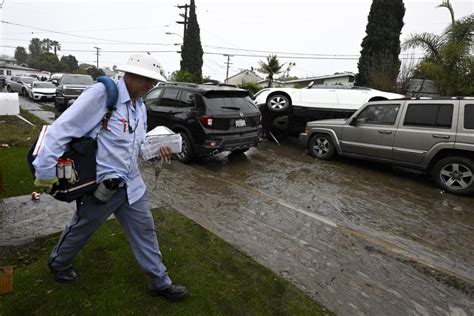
(291, 108)
(41, 90)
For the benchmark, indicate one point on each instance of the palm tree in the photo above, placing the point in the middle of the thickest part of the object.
(447, 59)
(56, 46)
(271, 68)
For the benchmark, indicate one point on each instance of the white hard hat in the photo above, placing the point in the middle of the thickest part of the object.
(143, 65)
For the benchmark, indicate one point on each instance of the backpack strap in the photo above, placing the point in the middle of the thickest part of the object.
(112, 96)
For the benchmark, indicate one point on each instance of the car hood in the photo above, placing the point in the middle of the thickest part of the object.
(326, 122)
(76, 86)
(44, 90)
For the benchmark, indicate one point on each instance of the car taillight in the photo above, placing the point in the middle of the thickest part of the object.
(205, 120)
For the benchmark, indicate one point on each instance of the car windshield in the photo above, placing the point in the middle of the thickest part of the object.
(43, 85)
(77, 80)
(27, 80)
(232, 101)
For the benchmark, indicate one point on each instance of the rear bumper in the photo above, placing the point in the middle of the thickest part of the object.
(216, 144)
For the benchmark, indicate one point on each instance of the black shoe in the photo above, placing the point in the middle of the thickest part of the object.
(174, 292)
(64, 276)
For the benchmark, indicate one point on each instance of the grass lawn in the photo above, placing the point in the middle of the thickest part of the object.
(15, 177)
(221, 279)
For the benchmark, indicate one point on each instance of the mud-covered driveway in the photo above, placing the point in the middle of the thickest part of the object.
(360, 238)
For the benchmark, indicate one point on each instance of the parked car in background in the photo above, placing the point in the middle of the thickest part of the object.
(289, 109)
(434, 135)
(20, 84)
(70, 87)
(210, 118)
(55, 78)
(41, 90)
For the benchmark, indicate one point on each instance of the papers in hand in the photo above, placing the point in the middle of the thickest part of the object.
(161, 136)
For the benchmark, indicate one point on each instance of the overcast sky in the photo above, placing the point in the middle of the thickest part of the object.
(321, 36)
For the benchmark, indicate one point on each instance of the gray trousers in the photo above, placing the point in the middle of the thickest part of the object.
(137, 222)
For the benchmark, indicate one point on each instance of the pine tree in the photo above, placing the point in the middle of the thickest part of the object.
(378, 63)
(191, 50)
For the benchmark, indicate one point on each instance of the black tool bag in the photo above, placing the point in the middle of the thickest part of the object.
(82, 152)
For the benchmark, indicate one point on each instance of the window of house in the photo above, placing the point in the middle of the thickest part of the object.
(469, 116)
(2, 72)
(170, 97)
(9, 72)
(429, 115)
(379, 114)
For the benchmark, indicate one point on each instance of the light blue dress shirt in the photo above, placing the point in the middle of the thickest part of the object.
(118, 149)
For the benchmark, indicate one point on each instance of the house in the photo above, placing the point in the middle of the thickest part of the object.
(8, 67)
(242, 77)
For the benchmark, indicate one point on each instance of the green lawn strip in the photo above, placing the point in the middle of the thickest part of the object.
(14, 173)
(19, 136)
(221, 279)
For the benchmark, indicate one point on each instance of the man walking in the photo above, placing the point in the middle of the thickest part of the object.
(121, 191)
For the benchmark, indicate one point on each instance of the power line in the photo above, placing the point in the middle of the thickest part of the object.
(292, 54)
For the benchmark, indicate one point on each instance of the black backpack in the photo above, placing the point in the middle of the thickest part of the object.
(82, 152)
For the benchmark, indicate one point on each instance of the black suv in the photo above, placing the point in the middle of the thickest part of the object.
(69, 88)
(210, 118)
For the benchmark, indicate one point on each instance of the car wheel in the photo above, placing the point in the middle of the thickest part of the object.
(187, 153)
(239, 151)
(9, 89)
(59, 107)
(278, 103)
(455, 175)
(321, 146)
(23, 92)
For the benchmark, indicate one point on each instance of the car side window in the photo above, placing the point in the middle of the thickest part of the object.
(469, 116)
(429, 115)
(385, 114)
(170, 97)
(153, 96)
(187, 99)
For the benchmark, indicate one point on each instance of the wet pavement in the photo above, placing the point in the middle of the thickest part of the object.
(357, 237)
(360, 238)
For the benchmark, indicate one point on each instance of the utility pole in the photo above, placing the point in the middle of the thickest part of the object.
(185, 16)
(97, 53)
(228, 64)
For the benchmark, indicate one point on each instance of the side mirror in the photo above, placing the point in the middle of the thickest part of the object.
(54, 81)
(311, 84)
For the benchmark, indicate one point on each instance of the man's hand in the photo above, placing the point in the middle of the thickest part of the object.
(165, 153)
(45, 185)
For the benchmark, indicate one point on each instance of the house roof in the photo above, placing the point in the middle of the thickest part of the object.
(342, 74)
(244, 71)
(8, 66)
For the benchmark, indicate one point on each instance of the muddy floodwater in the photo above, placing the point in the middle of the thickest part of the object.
(360, 238)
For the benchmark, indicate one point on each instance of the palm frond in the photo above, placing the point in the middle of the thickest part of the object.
(429, 42)
(446, 4)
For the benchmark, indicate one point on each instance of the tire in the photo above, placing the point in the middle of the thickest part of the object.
(9, 89)
(23, 92)
(59, 107)
(455, 175)
(279, 103)
(239, 151)
(321, 146)
(187, 153)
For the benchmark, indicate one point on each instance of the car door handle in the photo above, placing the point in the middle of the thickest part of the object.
(385, 132)
(441, 136)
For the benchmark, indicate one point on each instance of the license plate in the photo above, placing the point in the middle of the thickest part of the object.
(240, 123)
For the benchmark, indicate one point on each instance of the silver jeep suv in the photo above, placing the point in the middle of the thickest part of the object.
(434, 135)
